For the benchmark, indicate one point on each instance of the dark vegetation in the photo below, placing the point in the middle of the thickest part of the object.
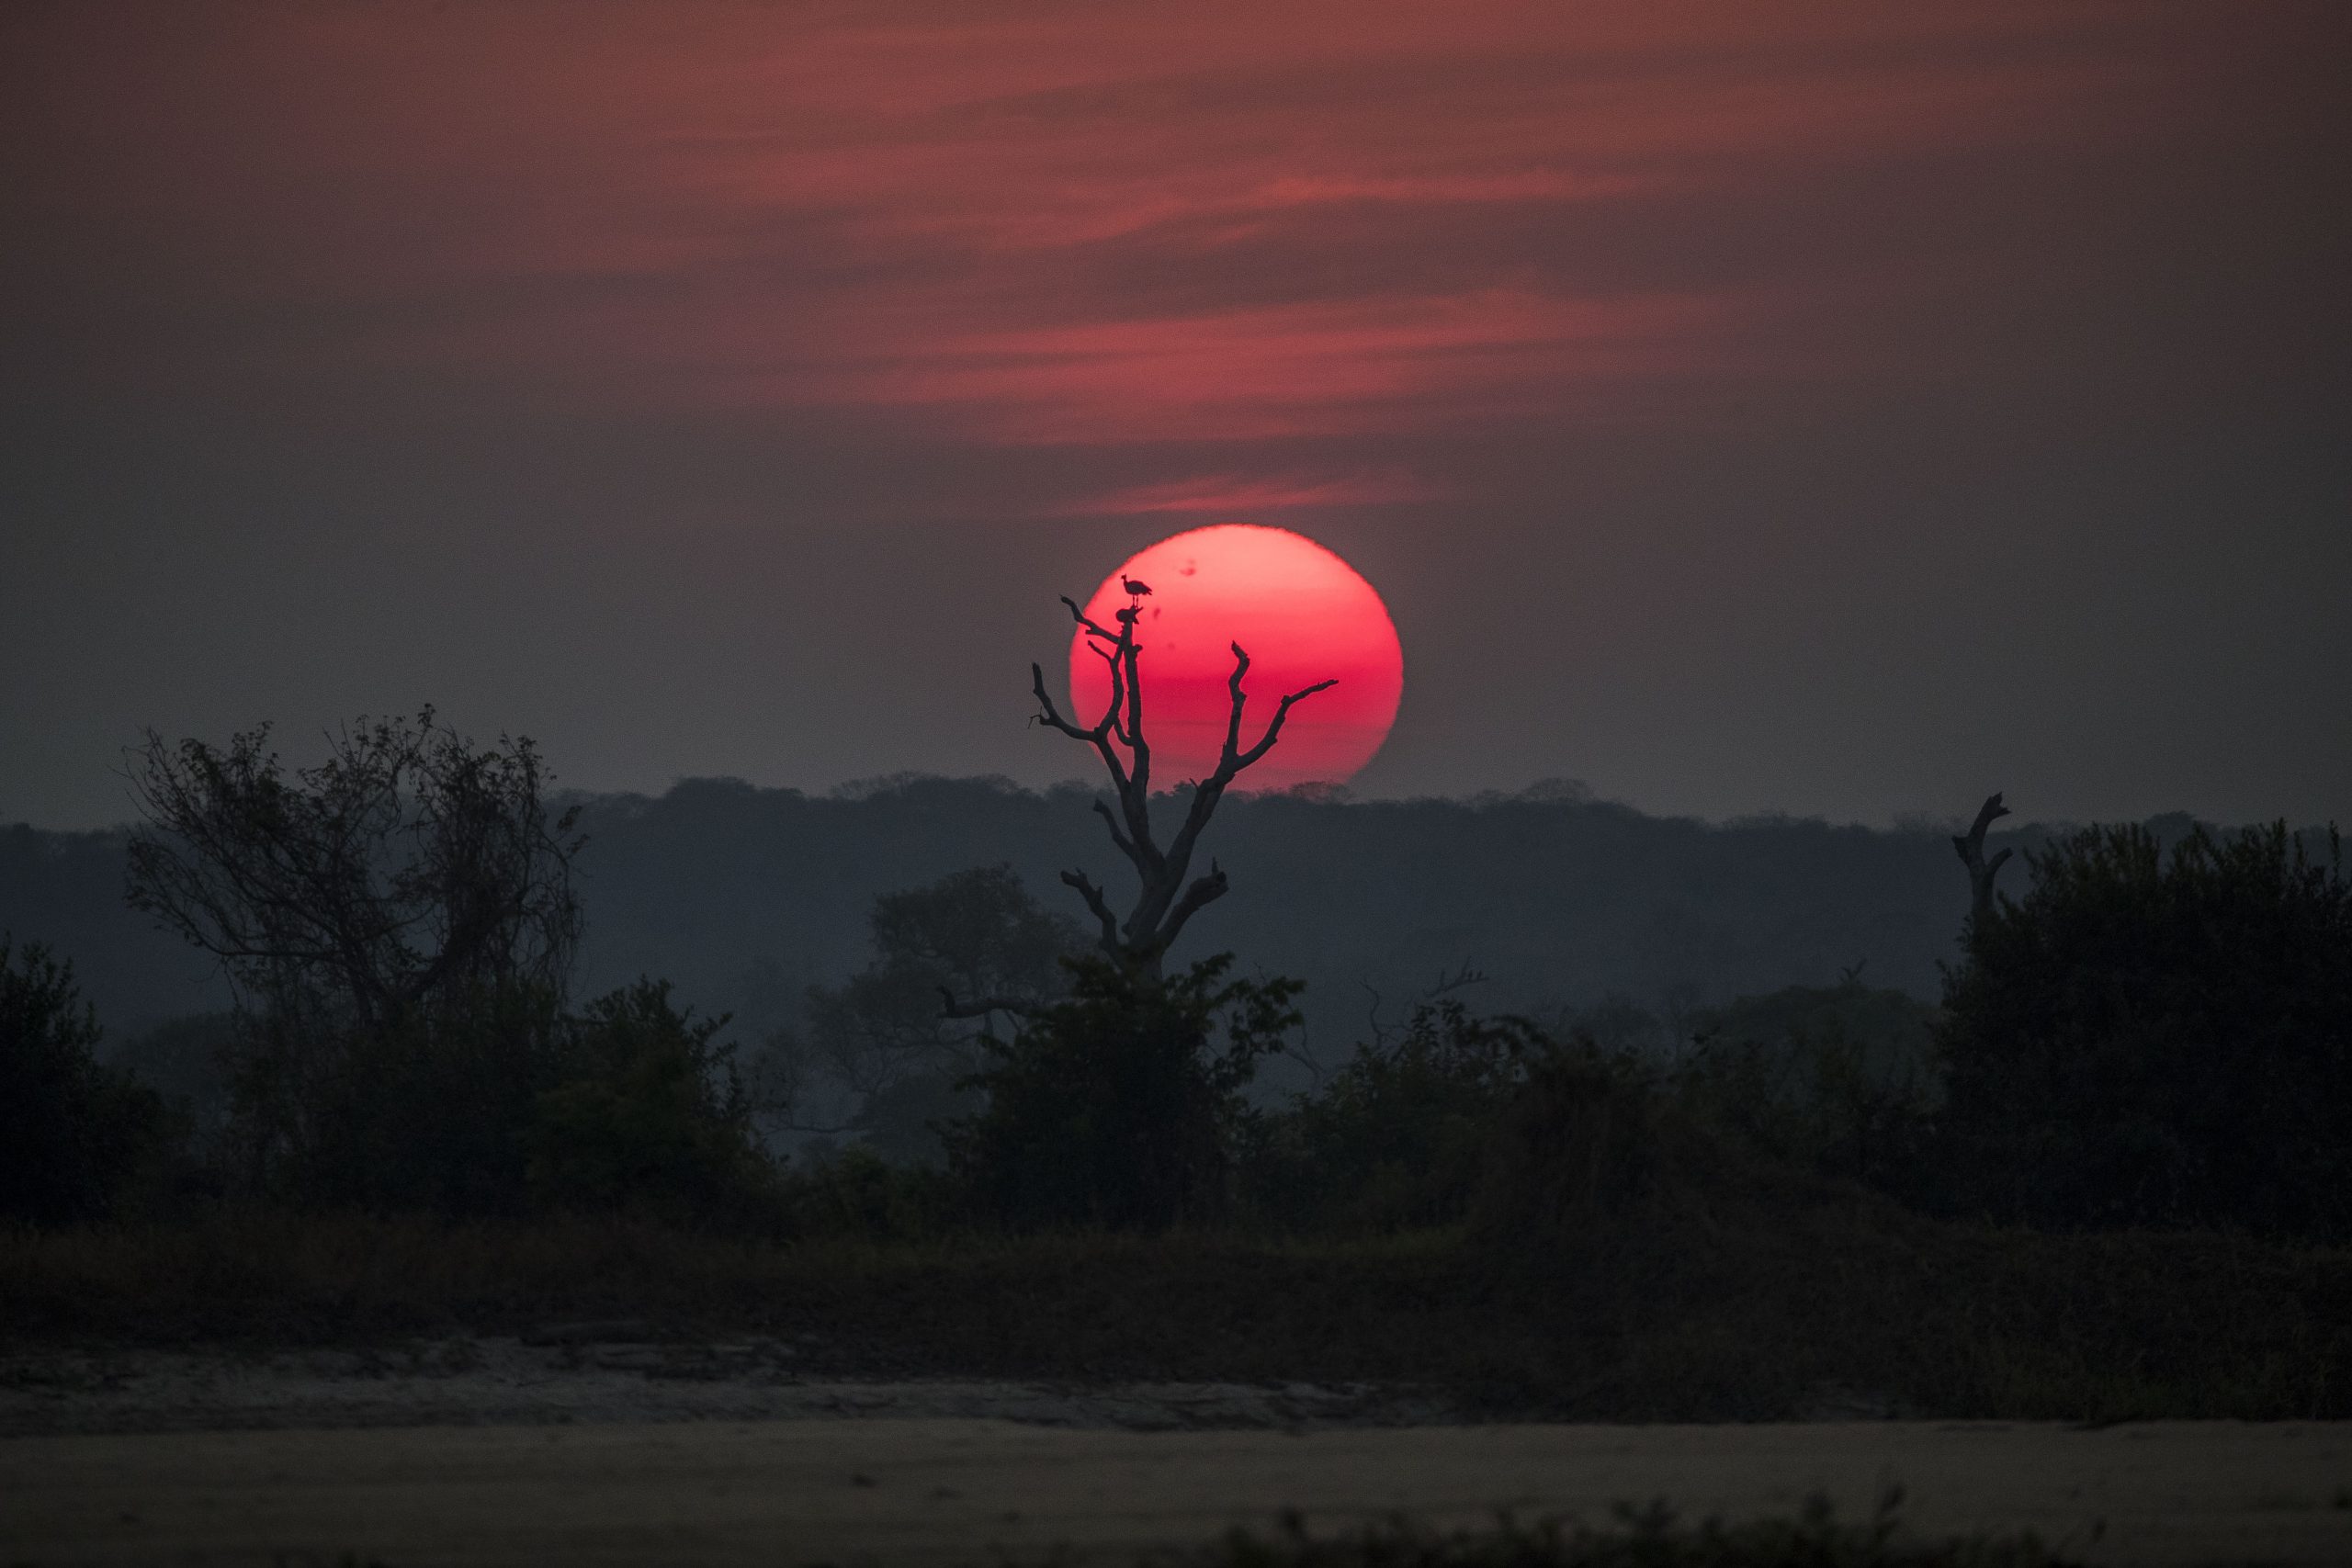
(2104, 1179)
(2154, 1037)
(1635, 1537)
(72, 1135)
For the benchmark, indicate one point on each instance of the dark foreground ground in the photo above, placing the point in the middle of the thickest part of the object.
(1695, 1316)
(273, 1389)
(937, 1491)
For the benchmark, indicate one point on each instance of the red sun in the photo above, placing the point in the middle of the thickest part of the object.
(1303, 613)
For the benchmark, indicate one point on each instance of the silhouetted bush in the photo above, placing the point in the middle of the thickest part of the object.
(1648, 1537)
(426, 1110)
(855, 1193)
(651, 1115)
(1491, 1114)
(186, 1060)
(1839, 1080)
(1118, 1105)
(496, 1107)
(73, 1134)
(1587, 1137)
(2148, 1037)
(1401, 1136)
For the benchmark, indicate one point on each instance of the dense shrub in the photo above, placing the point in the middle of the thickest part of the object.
(1463, 1112)
(1839, 1080)
(1401, 1135)
(1585, 1138)
(857, 1193)
(1650, 1536)
(186, 1061)
(651, 1115)
(73, 1134)
(497, 1107)
(2148, 1037)
(423, 1111)
(1117, 1105)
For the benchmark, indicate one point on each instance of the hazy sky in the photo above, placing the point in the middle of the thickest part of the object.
(1832, 409)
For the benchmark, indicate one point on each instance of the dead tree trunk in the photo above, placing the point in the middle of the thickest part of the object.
(1981, 871)
(1164, 900)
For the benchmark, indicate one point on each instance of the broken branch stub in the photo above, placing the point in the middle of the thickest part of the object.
(1981, 871)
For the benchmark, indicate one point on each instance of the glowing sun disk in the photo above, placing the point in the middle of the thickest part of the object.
(1303, 615)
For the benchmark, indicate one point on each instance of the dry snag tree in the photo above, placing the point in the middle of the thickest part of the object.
(1981, 871)
(1164, 900)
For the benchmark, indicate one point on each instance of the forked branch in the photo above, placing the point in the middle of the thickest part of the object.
(1971, 848)
(1164, 899)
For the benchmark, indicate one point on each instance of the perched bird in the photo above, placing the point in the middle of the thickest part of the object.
(1134, 590)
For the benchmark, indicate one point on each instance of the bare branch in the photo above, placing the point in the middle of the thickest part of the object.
(1119, 738)
(1446, 985)
(1970, 846)
(1205, 891)
(981, 1007)
(1091, 624)
(1209, 791)
(1102, 911)
(1126, 845)
(1049, 715)
(1274, 728)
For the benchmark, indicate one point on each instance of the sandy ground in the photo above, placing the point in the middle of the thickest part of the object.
(583, 1447)
(565, 1378)
(928, 1491)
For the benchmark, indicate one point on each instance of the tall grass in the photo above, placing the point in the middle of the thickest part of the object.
(1730, 1315)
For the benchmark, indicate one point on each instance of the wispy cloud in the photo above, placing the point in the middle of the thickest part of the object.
(1127, 224)
(1241, 495)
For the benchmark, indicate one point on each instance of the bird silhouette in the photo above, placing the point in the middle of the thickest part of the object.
(1134, 590)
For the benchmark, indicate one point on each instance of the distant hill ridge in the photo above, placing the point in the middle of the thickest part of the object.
(746, 895)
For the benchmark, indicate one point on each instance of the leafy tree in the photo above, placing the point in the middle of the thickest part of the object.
(1118, 1105)
(407, 869)
(2151, 1037)
(71, 1133)
(398, 922)
(883, 1036)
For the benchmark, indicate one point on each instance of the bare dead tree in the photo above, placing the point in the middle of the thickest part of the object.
(1971, 848)
(1164, 899)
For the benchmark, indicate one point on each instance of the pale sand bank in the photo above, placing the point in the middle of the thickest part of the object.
(928, 1491)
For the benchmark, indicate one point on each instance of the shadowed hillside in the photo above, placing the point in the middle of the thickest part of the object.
(747, 896)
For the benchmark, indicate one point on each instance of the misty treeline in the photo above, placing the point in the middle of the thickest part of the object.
(745, 897)
(2139, 1025)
